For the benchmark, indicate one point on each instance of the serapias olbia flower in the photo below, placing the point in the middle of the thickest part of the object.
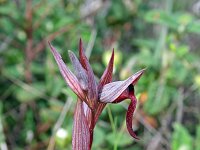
(93, 96)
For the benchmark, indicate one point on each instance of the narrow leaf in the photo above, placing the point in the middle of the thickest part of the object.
(81, 134)
(112, 91)
(79, 71)
(69, 77)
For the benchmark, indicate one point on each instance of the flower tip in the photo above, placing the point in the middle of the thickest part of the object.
(144, 69)
(113, 50)
(132, 134)
(112, 57)
(49, 43)
(80, 44)
(139, 73)
(70, 53)
(81, 49)
(53, 50)
(113, 53)
(137, 138)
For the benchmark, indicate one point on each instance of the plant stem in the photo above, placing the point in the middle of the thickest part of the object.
(162, 37)
(3, 145)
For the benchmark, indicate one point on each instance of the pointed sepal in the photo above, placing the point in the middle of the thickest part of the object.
(112, 91)
(105, 79)
(69, 77)
(79, 71)
(92, 94)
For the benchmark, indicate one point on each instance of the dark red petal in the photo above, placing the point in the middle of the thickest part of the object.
(82, 55)
(122, 97)
(79, 71)
(81, 133)
(112, 91)
(107, 75)
(92, 94)
(105, 78)
(138, 75)
(129, 116)
(69, 77)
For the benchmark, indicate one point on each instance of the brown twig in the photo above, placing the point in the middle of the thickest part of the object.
(29, 33)
(43, 16)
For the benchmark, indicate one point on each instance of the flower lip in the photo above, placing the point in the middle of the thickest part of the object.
(129, 115)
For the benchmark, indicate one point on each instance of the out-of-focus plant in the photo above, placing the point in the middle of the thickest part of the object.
(186, 142)
(160, 34)
(92, 97)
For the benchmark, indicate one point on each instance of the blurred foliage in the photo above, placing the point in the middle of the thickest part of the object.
(162, 36)
(185, 142)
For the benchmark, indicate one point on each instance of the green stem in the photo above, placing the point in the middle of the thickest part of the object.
(111, 119)
(163, 34)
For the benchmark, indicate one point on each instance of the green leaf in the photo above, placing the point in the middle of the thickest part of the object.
(2, 136)
(14, 71)
(194, 27)
(155, 104)
(197, 140)
(161, 17)
(181, 139)
(99, 137)
(49, 115)
(67, 91)
(178, 21)
(148, 43)
(33, 92)
(119, 139)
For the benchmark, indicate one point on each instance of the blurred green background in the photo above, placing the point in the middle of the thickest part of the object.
(36, 106)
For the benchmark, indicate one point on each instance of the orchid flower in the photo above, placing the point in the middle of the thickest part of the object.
(93, 96)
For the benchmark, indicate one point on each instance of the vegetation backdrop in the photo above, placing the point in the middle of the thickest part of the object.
(36, 106)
